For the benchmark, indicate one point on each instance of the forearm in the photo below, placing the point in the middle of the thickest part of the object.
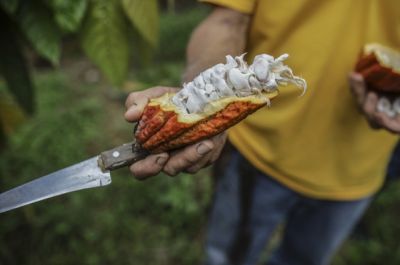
(223, 32)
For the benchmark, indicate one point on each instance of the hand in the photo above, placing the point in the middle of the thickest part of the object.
(367, 101)
(188, 159)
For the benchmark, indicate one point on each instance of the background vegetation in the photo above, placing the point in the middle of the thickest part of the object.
(159, 221)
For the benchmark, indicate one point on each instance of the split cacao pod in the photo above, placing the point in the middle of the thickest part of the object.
(215, 100)
(380, 67)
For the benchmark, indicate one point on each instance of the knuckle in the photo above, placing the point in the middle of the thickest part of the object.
(144, 169)
(164, 88)
(178, 164)
(137, 174)
(156, 91)
(170, 168)
(205, 162)
(188, 160)
(187, 157)
(196, 168)
(130, 99)
(170, 172)
(183, 164)
(157, 88)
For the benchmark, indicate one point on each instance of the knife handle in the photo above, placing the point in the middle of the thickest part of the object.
(121, 156)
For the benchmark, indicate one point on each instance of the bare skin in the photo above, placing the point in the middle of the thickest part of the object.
(367, 101)
(223, 32)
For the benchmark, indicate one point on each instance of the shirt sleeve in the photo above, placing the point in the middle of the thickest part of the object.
(244, 6)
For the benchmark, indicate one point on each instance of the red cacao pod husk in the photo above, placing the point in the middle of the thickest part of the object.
(176, 130)
(380, 67)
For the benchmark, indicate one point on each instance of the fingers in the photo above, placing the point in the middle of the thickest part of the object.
(150, 166)
(219, 142)
(205, 161)
(190, 159)
(358, 87)
(378, 119)
(187, 157)
(368, 102)
(136, 101)
(195, 157)
(392, 124)
(370, 110)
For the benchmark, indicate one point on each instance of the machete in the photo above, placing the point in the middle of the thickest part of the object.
(91, 173)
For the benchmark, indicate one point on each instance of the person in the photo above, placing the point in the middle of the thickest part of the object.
(312, 162)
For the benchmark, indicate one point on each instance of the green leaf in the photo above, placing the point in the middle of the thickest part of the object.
(144, 17)
(10, 6)
(37, 24)
(13, 65)
(143, 51)
(105, 39)
(11, 114)
(68, 14)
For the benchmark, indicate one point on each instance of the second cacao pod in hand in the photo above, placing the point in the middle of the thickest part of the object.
(215, 100)
(380, 67)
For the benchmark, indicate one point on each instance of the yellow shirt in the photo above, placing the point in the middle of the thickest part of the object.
(319, 144)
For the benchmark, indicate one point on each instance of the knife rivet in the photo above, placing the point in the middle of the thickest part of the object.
(115, 154)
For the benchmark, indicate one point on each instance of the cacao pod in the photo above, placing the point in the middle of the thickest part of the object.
(380, 67)
(215, 100)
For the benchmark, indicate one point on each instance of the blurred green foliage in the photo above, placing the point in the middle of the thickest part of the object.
(174, 41)
(102, 25)
(129, 222)
(158, 221)
(168, 62)
(106, 31)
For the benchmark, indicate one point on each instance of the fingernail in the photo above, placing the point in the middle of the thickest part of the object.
(161, 160)
(203, 149)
